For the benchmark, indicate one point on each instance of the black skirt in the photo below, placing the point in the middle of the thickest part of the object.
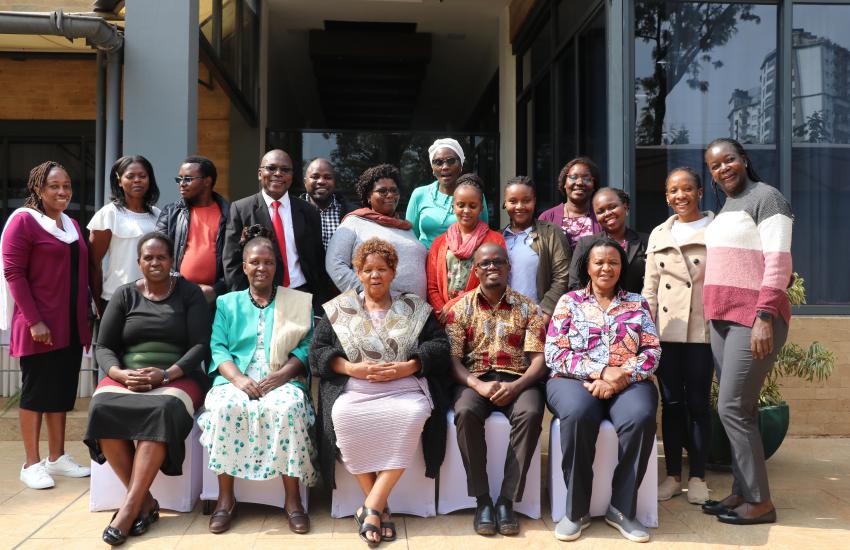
(50, 379)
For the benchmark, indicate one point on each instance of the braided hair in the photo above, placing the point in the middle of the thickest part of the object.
(256, 235)
(748, 165)
(36, 182)
(471, 180)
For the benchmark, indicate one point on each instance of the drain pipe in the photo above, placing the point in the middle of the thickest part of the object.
(109, 42)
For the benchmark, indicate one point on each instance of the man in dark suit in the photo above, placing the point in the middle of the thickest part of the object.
(295, 224)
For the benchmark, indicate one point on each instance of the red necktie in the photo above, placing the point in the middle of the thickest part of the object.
(281, 239)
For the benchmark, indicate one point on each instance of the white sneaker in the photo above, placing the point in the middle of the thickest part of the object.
(669, 488)
(697, 491)
(66, 466)
(36, 476)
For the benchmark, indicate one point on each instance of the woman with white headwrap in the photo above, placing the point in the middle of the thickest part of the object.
(430, 206)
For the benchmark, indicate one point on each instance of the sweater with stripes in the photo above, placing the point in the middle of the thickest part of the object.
(748, 261)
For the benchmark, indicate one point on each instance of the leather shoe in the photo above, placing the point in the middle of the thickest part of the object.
(299, 521)
(220, 520)
(113, 535)
(717, 507)
(485, 519)
(506, 519)
(736, 517)
(143, 523)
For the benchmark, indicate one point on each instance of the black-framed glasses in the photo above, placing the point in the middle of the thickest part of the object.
(186, 179)
(273, 169)
(387, 191)
(451, 161)
(495, 262)
(587, 180)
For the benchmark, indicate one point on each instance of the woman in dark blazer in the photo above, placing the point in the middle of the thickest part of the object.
(611, 207)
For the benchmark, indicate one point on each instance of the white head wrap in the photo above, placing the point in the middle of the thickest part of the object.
(447, 143)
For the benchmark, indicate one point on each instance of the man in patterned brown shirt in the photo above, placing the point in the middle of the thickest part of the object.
(497, 337)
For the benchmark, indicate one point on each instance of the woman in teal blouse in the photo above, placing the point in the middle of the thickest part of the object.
(430, 207)
(258, 414)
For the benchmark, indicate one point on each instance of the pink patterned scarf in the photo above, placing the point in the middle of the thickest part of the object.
(464, 250)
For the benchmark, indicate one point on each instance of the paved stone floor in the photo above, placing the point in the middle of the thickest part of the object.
(810, 480)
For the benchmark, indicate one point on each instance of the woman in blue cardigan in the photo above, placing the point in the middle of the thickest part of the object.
(258, 414)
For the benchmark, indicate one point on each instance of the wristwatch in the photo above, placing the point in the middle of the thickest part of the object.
(764, 316)
(165, 378)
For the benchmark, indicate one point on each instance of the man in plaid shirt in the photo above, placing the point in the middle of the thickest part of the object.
(320, 183)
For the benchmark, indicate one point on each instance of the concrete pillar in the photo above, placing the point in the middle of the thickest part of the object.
(161, 86)
(507, 110)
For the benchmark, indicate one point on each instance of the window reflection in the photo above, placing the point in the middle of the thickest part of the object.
(820, 161)
(702, 70)
(353, 152)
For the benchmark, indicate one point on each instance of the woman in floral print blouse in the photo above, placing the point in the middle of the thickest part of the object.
(602, 348)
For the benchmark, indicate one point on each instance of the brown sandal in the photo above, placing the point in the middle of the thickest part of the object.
(220, 520)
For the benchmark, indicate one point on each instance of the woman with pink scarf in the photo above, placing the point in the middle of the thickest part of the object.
(449, 266)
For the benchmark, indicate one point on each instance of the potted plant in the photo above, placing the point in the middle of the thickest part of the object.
(813, 364)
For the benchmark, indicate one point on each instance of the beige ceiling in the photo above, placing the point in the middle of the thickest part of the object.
(464, 57)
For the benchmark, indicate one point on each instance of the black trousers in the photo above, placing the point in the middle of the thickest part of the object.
(526, 417)
(684, 377)
(632, 411)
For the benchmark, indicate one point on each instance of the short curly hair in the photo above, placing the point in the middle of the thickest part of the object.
(375, 246)
(591, 167)
(370, 176)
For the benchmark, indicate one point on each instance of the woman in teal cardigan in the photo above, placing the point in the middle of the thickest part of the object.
(258, 414)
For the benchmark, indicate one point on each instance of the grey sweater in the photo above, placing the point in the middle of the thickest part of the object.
(352, 232)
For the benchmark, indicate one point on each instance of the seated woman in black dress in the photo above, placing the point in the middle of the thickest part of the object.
(153, 338)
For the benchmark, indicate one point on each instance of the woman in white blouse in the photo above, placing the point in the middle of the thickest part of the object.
(115, 229)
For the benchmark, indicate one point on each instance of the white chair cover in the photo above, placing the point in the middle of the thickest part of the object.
(413, 494)
(603, 474)
(178, 493)
(453, 493)
(268, 491)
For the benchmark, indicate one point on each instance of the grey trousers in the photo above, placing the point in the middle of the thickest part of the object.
(741, 378)
(632, 411)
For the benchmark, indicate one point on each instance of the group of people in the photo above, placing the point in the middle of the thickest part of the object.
(230, 310)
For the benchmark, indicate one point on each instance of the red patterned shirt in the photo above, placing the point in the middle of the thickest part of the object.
(495, 339)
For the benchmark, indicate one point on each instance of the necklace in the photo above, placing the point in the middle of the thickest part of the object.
(150, 296)
(271, 299)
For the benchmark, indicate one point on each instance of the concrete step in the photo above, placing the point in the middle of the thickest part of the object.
(75, 428)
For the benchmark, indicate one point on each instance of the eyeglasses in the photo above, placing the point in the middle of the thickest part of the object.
(496, 262)
(451, 161)
(272, 169)
(587, 180)
(387, 191)
(187, 179)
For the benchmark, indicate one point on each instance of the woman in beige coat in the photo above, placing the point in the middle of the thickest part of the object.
(675, 268)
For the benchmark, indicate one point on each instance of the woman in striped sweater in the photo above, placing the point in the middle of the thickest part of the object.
(748, 267)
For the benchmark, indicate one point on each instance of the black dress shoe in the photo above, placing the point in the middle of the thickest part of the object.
(485, 519)
(143, 523)
(714, 507)
(113, 535)
(506, 519)
(733, 518)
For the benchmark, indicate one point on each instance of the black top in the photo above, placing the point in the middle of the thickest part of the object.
(636, 255)
(433, 354)
(182, 319)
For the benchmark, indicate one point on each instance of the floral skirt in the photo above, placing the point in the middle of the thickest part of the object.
(262, 438)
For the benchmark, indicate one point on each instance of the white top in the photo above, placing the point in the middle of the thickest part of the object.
(120, 264)
(296, 276)
(682, 231)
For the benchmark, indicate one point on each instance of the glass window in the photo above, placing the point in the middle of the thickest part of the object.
(353, 152)
(820, 161)
(593, 96)
(542, 132)
(702, 70)
(567, 128)
(540, 49)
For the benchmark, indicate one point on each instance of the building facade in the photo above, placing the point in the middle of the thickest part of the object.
(639, 85)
